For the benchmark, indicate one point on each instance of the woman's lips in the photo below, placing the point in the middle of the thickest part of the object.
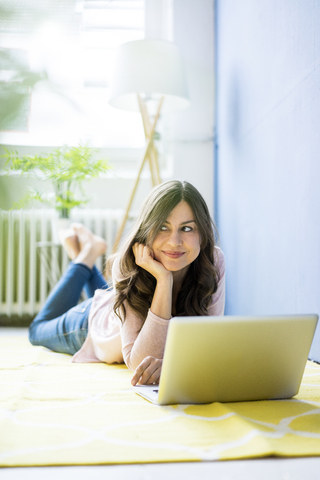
(173, 254)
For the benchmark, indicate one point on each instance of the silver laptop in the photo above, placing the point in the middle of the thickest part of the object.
(232, 359)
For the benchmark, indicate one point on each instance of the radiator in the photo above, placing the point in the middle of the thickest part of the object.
(31, 262)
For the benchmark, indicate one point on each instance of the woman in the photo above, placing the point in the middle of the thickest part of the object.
(169, 266)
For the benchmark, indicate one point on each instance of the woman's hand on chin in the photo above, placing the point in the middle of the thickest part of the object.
(148, 372)
(144, 258)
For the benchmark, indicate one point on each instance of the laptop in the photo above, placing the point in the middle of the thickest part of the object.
(232, 359)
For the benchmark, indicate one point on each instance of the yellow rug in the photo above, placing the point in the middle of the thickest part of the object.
(54, 412)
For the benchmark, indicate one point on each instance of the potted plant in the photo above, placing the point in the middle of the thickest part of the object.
(66, 168)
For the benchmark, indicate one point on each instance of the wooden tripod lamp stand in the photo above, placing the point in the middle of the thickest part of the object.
(148, 72)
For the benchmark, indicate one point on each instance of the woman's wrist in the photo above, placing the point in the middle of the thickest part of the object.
(165, 279)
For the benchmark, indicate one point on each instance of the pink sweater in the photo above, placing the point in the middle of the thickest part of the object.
(110, 341)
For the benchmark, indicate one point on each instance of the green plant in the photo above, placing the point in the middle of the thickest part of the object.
(66, 168)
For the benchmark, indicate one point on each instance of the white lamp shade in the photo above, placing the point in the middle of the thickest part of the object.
(152, 69)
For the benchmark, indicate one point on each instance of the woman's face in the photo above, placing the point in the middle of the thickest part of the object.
(177, 244)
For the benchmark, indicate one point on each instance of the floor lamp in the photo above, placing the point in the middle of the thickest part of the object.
(149, 77)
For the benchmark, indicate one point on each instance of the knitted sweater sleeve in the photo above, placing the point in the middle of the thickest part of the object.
(140, 339)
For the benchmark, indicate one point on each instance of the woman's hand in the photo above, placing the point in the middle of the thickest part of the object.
(144, 258)
(148, 372)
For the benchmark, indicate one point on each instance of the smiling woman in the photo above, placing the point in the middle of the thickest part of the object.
(174, 219)
(168, 266)
(174, 248)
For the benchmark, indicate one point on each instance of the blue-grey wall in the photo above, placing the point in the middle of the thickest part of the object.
(268, 155)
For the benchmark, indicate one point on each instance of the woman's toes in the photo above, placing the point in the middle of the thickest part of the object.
(100, 244)
(83, 233)
(70, 242)
(89, 240)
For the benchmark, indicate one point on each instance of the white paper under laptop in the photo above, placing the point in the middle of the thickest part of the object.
(232, 358)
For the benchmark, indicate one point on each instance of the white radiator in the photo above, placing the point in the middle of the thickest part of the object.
(31, 263)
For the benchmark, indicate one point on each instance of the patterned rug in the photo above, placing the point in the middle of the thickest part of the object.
(54, 412)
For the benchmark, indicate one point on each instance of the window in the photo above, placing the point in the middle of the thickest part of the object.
(75, 43)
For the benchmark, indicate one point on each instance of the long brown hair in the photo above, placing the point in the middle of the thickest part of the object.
(201, 281)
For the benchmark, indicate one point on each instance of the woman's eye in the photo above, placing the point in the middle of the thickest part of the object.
(164, 228)
(187, 229)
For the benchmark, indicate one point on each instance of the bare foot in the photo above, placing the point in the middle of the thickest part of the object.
(70, 242)
(91, 245)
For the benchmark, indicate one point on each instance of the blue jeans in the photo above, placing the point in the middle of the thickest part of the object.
(62, 323)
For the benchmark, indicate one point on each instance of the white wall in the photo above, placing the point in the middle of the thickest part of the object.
(268, 73)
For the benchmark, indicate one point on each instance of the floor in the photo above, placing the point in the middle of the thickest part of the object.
(261, 469)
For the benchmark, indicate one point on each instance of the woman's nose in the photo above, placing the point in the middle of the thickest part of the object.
(175, 238)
